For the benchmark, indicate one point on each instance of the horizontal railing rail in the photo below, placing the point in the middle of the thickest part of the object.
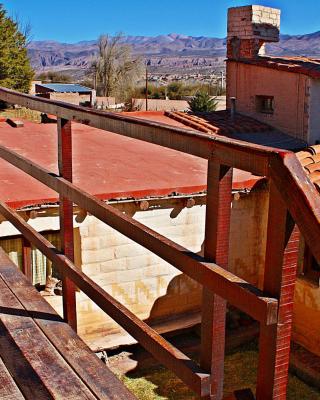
(293, 199)
(183, 366)
(283, 166)
(248, 298)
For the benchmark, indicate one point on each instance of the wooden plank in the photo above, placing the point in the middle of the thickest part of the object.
(216, 249)
(36, 366)
(26, 259)
(279, 281)
(99, 379)
(225, 284)
(300, 196)
(66, 219)
(8, 388)
(231, 152)
(163, 351)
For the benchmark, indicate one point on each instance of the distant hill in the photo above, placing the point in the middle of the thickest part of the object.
(173, 51)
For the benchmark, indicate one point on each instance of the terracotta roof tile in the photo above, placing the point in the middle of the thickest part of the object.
(241, 127)
(219, 122)
(310, 160)
(302, 65)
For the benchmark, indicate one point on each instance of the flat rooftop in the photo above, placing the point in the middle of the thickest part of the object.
(105, 164)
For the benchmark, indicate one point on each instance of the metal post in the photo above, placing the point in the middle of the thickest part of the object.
(147, 87)
(66, 219)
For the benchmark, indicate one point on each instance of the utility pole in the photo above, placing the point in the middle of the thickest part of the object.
(147, 86)
(222, 81)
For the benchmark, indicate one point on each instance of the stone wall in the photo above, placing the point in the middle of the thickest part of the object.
(156, 291)
(150, 287)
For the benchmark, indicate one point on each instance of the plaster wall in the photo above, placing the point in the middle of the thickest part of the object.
(148, 286)
(290, 91)
(314, 121)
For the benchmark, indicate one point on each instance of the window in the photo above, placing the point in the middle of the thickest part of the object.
(265, 104)
(41, 266)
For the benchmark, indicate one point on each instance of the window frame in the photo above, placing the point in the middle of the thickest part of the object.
(261, 104)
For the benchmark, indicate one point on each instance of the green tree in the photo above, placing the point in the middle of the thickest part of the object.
(15, 70)
(202, 102)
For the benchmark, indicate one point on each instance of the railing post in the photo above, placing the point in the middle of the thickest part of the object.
(66, 219)
(279, 281)
(26, 259)
(216, 249)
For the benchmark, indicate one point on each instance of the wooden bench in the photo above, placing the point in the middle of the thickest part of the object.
(41, 357)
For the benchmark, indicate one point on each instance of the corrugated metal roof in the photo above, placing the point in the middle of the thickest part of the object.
(66, 87)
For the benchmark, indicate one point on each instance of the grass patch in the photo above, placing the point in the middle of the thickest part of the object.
(158, 383)
(21, 113)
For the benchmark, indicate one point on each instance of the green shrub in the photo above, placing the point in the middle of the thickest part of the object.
(202, 102)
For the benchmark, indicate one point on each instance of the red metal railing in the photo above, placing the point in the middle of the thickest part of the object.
(293, 200)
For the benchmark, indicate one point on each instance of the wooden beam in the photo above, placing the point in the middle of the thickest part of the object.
(225, 284)
(187, 370)
(216, 249)
(279, 281)
(97, 377)
(231, 152)
(66, 219)
(26, 259)
(300, 196)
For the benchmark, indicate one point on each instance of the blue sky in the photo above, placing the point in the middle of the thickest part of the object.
(75, 20)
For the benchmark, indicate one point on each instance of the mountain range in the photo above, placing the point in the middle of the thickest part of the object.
(173, 51)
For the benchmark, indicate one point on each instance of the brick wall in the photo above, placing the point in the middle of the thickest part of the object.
(290, 92)
(249, 28)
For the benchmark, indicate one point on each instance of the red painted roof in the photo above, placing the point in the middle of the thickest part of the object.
(301, 65)
(105, 164)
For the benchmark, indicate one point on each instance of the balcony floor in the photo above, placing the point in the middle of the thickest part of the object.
(41, 357)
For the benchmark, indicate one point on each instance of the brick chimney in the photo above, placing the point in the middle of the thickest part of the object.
(249, 28)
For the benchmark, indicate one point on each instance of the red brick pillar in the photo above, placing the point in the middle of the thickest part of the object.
(279, 281)
(216, 249)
